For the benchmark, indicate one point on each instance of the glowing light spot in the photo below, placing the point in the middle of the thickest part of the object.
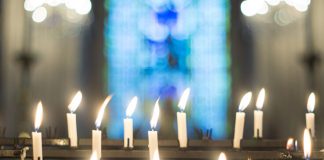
(273, 2)
(248, 9)
(83, 7)
(39, 15)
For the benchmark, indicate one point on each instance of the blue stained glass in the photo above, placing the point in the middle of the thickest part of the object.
(157, 49)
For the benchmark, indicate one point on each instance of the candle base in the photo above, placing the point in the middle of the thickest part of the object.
(183, 148)
(258, 137)
(128, 147)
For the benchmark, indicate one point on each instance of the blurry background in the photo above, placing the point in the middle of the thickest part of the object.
(146, 48)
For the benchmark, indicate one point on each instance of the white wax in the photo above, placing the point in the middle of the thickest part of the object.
(239, 128)
(128, 132)
(310, 123)
(258, 120)
(96, 142)
(153, 143)
(182, 129)
(37, 146)
(72, 129)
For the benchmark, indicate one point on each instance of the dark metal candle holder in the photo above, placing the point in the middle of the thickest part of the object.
(168, 149)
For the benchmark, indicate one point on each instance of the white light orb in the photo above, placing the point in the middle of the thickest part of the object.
(83, 7)
(39, 15)
(273, 2)
(247, 8)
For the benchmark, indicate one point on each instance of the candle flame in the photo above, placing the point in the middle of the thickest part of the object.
(156, 155)
(75, 102)
(311, 102)
(131, 107)
(94, 156)
(260, 100)
(290, 144)
(307, 144)
(156, 112)
(39, 115)
(183, 100)
(222, 156)
(101, 112)
(245, 101)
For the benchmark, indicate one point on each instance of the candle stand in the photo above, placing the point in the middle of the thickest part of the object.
(168, 149)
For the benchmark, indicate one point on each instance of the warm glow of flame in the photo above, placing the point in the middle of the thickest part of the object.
(38, 116)
(307, 144)
(290, 144)
(260, 100)
(183, 100)
(156, 112)
(245, 101)
(102, 111)
(156, 155)
(131, 107)
(311, 102)
(75, 102)
(222, 156)
(94, 156)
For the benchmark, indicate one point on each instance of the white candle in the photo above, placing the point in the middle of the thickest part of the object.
(96, 134)
(239, 120)
(182, 129)
(153, 135)
(96, 142)
(310, 116)
(71, 119)
(94, 156)
(182, 120)
(222, 156)
(307, 144)
(37, 136)
(72, 129)
(128, 124)
(153, 143)
(258, 115)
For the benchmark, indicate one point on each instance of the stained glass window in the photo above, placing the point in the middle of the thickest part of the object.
(156, 49)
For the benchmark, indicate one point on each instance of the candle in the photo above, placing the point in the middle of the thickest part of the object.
(258, 115)
(310, 116)
(71, 119)
(182, 119)
(239, 120)
(290, 144)
(37, 136)
(222, 156)
(152, 135)
(128, 124)
(96, 134)
(156, 156)
(307, 144)
(94, 156)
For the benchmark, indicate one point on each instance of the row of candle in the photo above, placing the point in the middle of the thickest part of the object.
(258, 116)
(152, 134)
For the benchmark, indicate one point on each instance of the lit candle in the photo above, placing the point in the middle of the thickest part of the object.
(37, 136)
(307, 144)
(222, 156)
(182, 119)
(239, 120)
(310, 116)
(153, 135)
(258, 115)
(71, 119)
(128, 124)
(96, 134)
(290, 144)
(94, 156)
